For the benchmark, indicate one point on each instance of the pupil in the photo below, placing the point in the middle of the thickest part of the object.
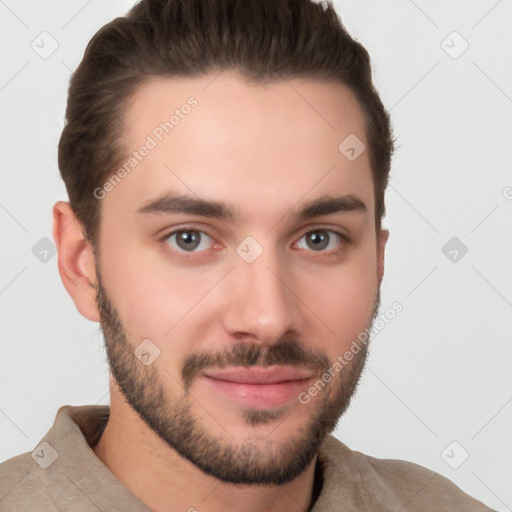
(319, 239)
(187, 238)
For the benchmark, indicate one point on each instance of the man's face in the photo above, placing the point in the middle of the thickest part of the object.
(245, 313)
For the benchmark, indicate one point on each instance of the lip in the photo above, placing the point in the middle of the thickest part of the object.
(257, 387)
(259, 375)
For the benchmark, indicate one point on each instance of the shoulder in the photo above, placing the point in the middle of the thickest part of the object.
(402, 484)
(22, 485)
(40, 479)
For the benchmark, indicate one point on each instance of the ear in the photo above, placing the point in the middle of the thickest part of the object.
(76, 260)
(381, 247)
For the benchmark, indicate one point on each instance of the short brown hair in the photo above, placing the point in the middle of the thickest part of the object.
(264, 40)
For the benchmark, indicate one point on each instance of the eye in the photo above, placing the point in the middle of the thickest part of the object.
(320, 239)
(193, 240)
(188, 240)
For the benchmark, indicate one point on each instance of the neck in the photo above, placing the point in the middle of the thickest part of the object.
(165, 481)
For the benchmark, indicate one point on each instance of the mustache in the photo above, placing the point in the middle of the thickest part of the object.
(286, 352)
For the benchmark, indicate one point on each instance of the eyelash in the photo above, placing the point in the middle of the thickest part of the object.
(344, 240)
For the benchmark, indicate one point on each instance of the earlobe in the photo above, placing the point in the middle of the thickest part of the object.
(76, 260)
(381, 249)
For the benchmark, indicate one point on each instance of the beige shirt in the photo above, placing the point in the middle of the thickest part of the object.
(64, 474)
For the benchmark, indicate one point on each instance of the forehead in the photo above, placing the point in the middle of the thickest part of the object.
(219, 137)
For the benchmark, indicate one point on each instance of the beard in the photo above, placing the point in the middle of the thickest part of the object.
(230, 460)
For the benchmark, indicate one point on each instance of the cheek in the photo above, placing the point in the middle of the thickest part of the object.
(150, 298)
(345, 311)
(157, 299)
(343, 297)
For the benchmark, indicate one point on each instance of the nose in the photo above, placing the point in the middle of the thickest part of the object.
(261, 305)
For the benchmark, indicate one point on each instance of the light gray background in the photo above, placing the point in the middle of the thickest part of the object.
(440, 371)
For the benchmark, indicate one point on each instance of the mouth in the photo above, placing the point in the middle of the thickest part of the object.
(258, 387)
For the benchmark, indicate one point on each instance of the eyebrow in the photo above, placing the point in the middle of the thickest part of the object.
(177, 203)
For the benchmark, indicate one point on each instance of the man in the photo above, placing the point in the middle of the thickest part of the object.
(251, 133)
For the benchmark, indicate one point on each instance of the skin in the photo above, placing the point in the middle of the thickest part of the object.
(266, 160)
